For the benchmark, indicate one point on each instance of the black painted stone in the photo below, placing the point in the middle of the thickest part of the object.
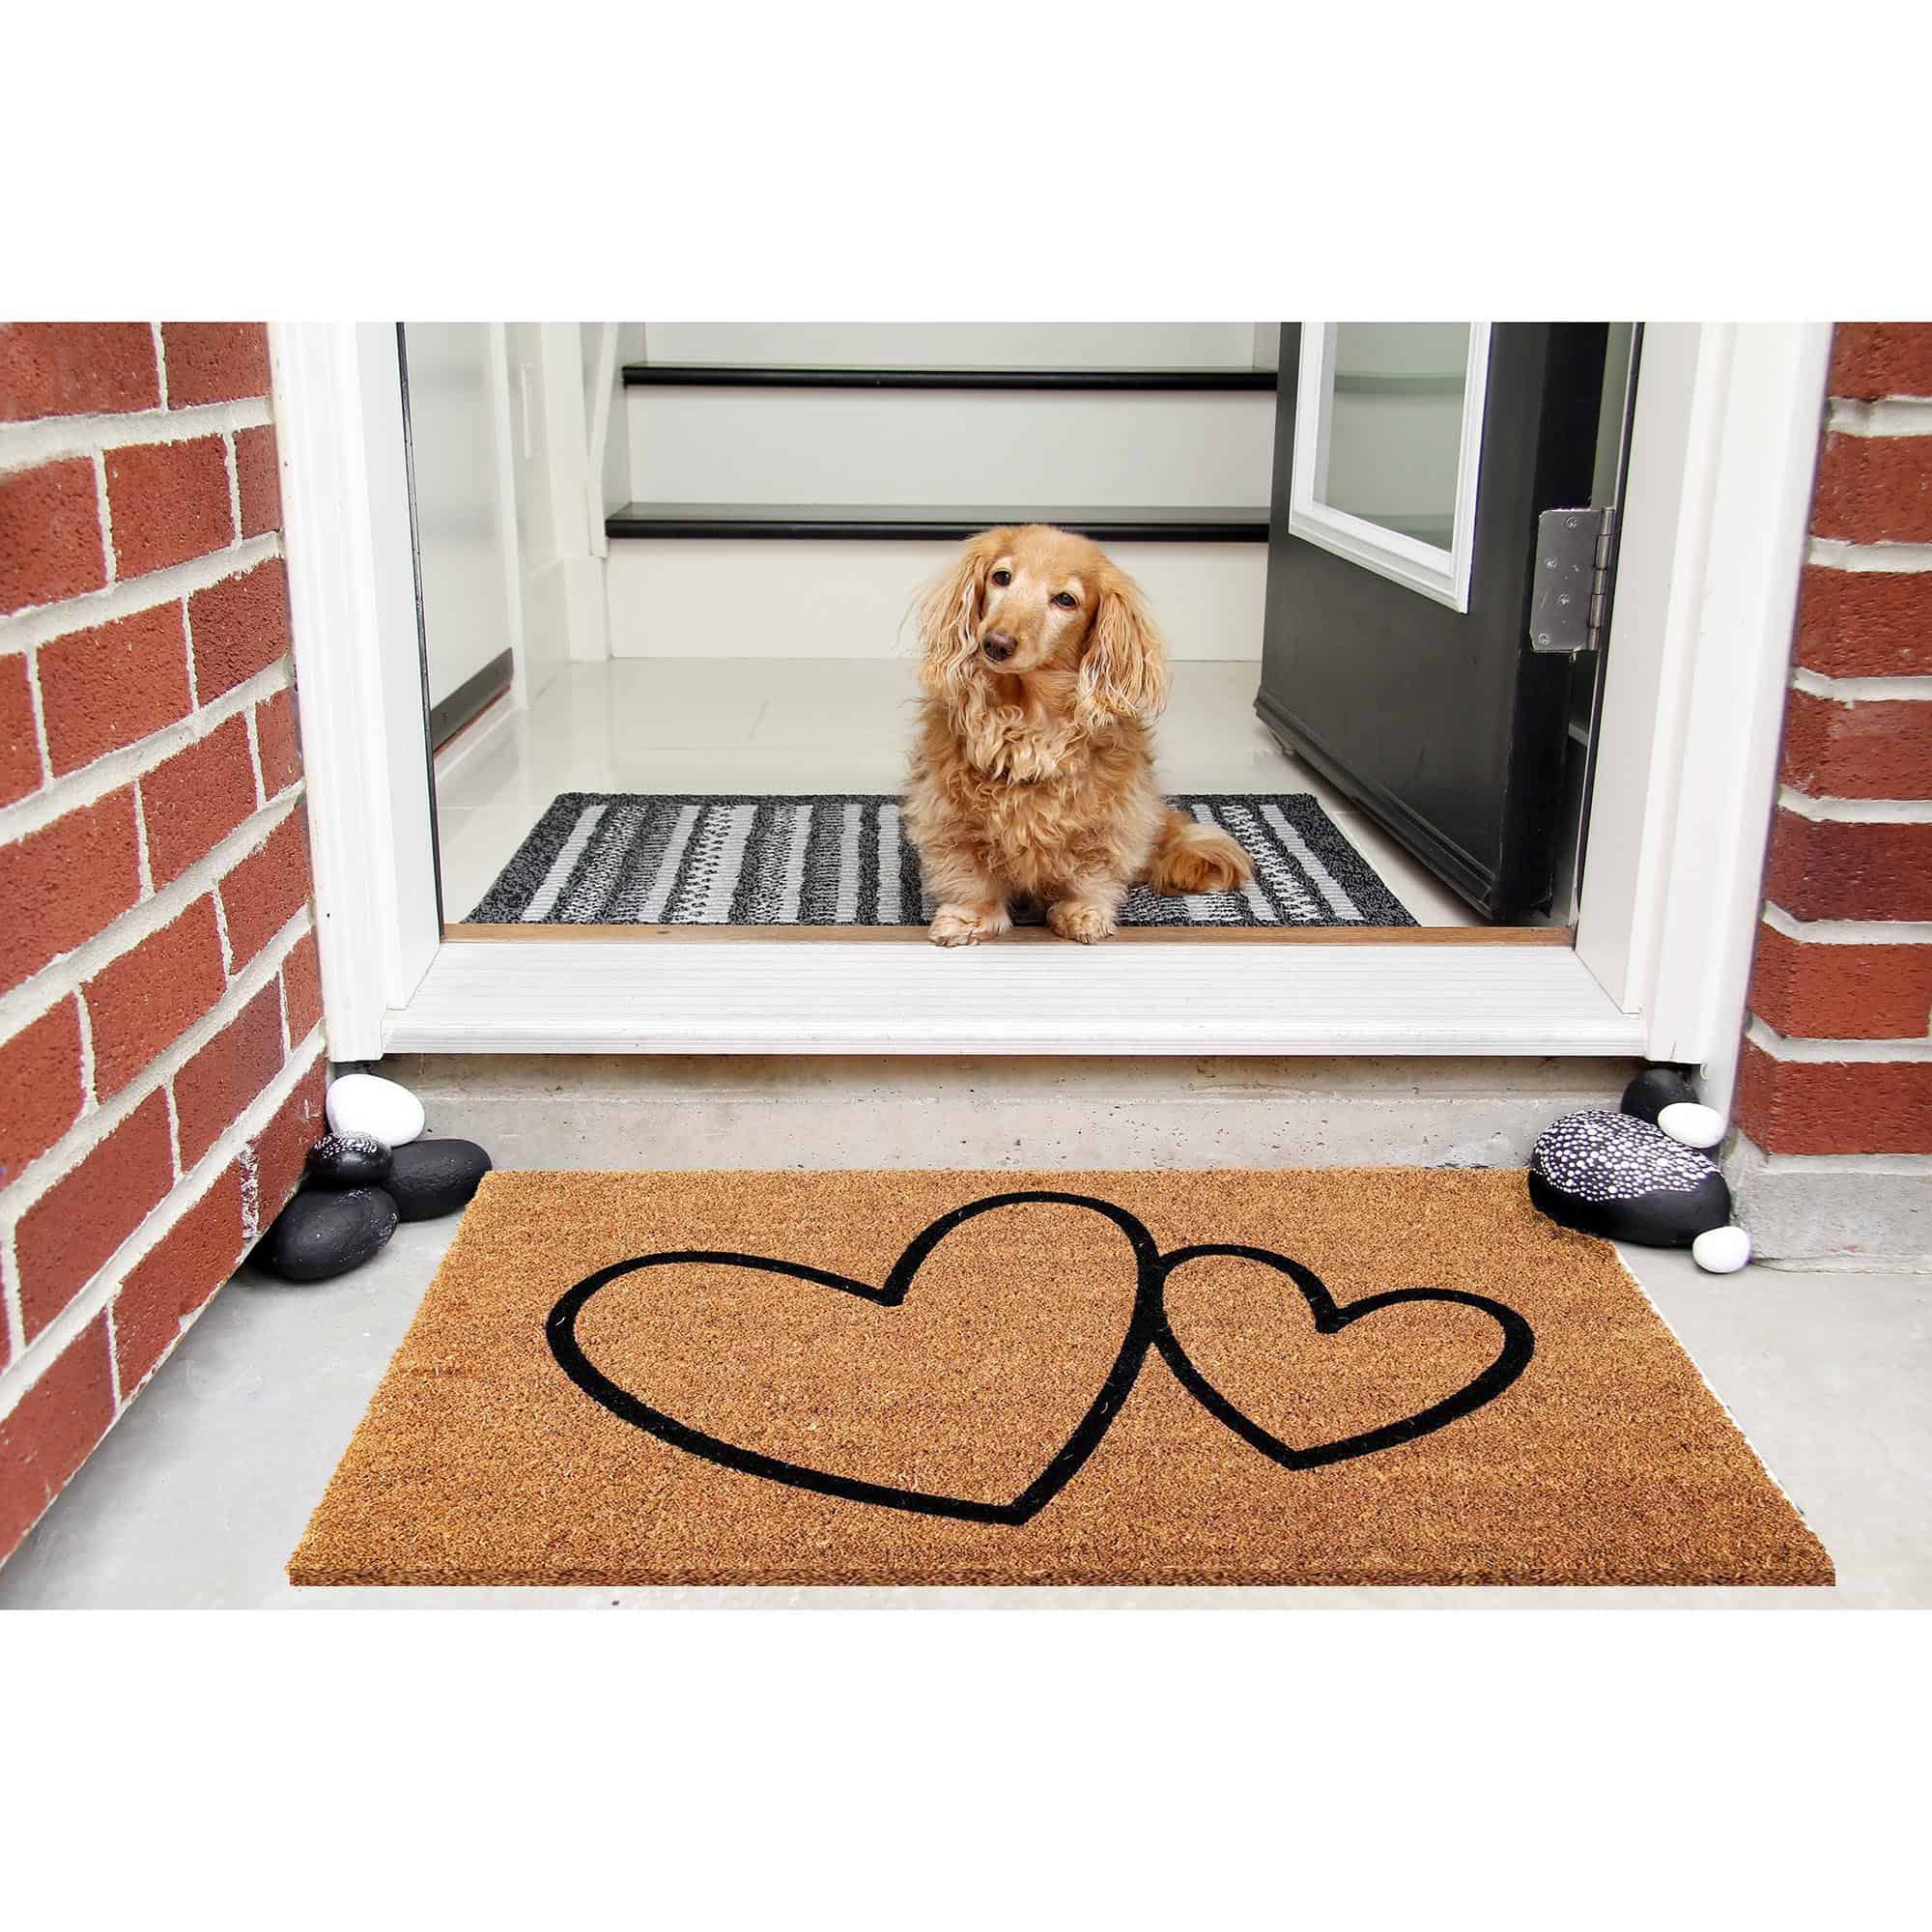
(323, 1232)
(432, 1177)
(347, 1160)
(1619, 1177)
(1655, 1089)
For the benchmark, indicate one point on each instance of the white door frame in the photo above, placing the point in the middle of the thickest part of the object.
(1724, 443)
(358, 670)
(1723, 446)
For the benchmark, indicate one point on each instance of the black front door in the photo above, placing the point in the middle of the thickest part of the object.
(1397, 657)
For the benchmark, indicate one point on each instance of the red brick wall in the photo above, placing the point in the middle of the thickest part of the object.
(1836, 1058)
(160, 1044)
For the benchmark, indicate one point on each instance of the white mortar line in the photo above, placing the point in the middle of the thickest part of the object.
(188, 644)
(28, 1365)
(105, 511)
(113, 770)
(143, 865)
(221, 933)
(56, 439)
(1896, 415)
(255, 758)
(113, 1368)
(174, 1132)
(1855, 810)
(39, 623)
(1860, 689)
(1815, 1052)
(48, 1170)
(1848, 931)
(39, 707)
(10, 1292)
(32, 997)
(1887, 559)
(233, 485)
(88, 1098)
(160, 362)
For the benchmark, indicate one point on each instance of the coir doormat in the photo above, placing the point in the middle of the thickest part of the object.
(822, 859)
(1314, 1378)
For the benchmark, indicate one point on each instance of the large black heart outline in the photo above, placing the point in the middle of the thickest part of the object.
(1148, 1328)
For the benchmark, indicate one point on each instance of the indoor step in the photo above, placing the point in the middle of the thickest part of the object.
(881, 439)
(925, 522)
(801, 584)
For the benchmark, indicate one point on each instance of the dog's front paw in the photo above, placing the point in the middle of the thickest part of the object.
(1081, 920)
(965, 925)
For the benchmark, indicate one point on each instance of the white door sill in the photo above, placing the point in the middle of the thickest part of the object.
(644, 996)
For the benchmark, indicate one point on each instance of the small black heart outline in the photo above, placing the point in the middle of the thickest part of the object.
(1147, 1329)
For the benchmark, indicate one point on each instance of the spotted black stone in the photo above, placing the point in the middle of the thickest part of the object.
(1616, 1176)
(347, 1160)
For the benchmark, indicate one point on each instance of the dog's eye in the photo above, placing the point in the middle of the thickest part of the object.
(1067, 600)
(1003, 576)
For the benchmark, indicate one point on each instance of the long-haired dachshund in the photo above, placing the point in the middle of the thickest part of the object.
(1033, 775)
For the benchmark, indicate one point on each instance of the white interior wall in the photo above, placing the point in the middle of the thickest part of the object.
(562, 591)
(606, 346)
(629, 343)
(466, 537)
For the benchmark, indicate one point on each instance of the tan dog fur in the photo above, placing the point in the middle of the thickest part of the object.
(1033, 773)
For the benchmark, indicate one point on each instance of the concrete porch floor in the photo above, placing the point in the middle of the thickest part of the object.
(198, 1496)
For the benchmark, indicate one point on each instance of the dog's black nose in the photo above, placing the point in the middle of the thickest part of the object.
(997, 646)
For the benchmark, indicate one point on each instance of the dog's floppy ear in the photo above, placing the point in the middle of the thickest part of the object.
(949, 617)
(1124, 672)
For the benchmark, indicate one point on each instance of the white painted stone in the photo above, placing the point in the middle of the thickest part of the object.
(366, 1103)
(1694, 1126)
(1722, 1250)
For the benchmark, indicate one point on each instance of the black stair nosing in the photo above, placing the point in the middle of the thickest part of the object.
(853, 376)
(873, 522)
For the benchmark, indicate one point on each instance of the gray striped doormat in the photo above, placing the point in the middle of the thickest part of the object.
(838, 859)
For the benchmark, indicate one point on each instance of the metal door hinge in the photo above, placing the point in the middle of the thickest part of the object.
(1570, 603)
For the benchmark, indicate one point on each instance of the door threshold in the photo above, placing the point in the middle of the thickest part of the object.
(1026, 935)
(872, 996)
